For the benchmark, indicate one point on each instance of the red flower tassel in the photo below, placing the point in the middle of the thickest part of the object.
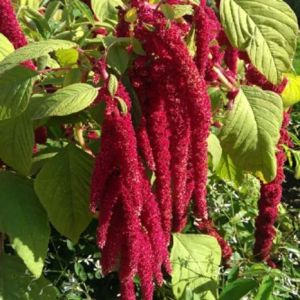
(270, 198)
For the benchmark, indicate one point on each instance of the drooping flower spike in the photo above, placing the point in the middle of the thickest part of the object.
(129, 232)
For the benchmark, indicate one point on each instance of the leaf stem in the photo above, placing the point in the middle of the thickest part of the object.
(224, 79)
(78, 132)
(54, 70)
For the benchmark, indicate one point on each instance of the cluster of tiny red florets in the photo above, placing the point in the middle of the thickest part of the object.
(270, 193)
(170, 140)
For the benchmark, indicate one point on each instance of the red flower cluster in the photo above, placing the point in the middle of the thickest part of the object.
(10, 27)
(271, 193)
(171, 140)
(269, 200)
(129, 233)
(177, 114)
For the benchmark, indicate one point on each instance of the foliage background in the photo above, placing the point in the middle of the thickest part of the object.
(72, 270)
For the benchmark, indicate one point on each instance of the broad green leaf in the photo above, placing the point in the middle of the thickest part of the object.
(237, 289)
(16, 143)
(16, 284)
(195, 261)
(106, 9)
(33, 51)
(265, 289)
(291, 93)
(266, 29)
(251, 131)
(296, 61)
(118, 58)
(6, 47)
(63, 188)
(67, 57)
(16, 88)
(168, 11)
(23, 218)
(73, 76)
(229, 172)
(68, 100)
(214, 149)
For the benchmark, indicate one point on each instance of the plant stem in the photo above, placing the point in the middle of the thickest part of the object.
(78, 130)
(54, 70)
(224, 80)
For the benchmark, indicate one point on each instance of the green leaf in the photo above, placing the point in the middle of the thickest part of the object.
(122, 105)
(16, 284)
(84, 9)
(113, 85)
(251, 131)
(266, 29)
(63, 188)
(131, 15)
(118, 58)
(68, 100)
(214, 149)
(182, 10)
(16, 143)
(33, 51)
(25, 221)
(40, 22)
(16, 88)
(67, 57)
(296, 61)
(195, 261)
(137, 46)
(51, 9)
(265, 289)
(106, 9)
(168, 11)
(229, 172)
(296, 155)
(237, 289)
(291, 93)
(6, 47)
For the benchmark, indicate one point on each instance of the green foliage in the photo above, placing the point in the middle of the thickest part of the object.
(214, 149)
(16, 284)
(228, 171)
(24, 220)
(237, 289)
(105, 9)
(266, 29)
(16, 143)
(16, 88)
(66, 101)
(59, 96)
(251, 128)
(6, 47)
(291, 94)
(195, 259)
(32, 51)
(63, 189)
